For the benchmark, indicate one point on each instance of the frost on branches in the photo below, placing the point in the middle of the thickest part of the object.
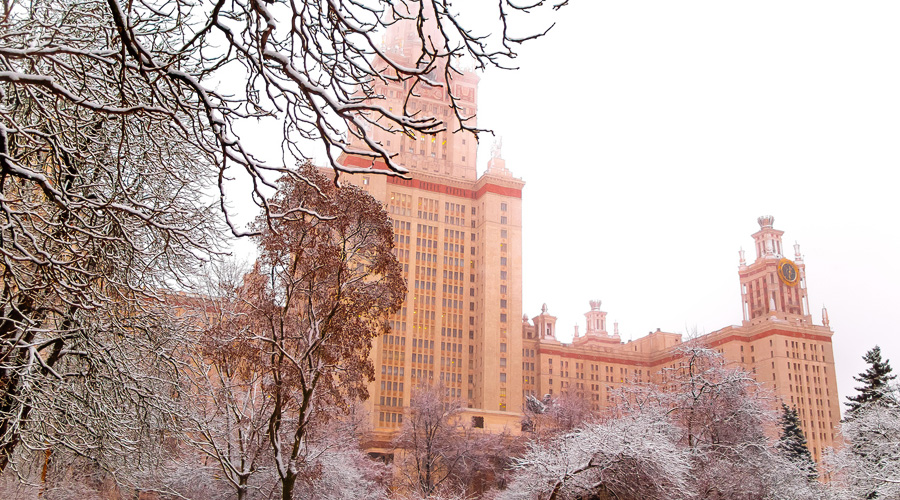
(88, 81)
(868, 466)
(118, 120)
(621, 458)
(698, 435)
(442, 456)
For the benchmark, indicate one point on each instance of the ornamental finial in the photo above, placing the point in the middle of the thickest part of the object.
(765, 221)
(496, 147)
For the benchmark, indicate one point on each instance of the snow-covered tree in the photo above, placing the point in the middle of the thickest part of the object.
(85, 81)
(698, 434)
(792, 442)
(876, 382)
(868, 465)
(441, 455)
(552, 416)
(229, 407)
(633, 457)
(118, 120)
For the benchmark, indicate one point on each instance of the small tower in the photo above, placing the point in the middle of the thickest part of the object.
(767, 239)
(773, 287)
(545, 325)
(596, 319)
(595, 334)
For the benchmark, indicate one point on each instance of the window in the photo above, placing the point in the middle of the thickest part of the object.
(502, 347)
(478, 422)
(503, 220)
(502, 378)
(503, 207)
(503, 233)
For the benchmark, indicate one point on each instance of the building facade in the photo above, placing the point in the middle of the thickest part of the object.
(458, 237)
(777, 342)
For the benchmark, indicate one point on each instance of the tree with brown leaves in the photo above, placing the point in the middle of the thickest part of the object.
(318, 295)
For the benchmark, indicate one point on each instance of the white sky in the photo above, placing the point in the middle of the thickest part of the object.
(652, 134)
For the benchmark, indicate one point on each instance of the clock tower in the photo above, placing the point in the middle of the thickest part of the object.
(773, 287)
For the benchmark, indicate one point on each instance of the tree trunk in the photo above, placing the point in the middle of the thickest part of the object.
(287, 486)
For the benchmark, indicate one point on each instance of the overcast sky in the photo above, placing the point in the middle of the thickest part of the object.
(652, 134)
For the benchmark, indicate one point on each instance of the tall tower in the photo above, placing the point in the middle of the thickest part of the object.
(459, 239)
(773, 286)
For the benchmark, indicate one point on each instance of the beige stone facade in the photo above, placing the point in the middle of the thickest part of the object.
(459, 239)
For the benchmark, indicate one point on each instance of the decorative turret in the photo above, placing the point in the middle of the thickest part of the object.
(768, 239)
(545, 325)
(596, 319)
(596, 327)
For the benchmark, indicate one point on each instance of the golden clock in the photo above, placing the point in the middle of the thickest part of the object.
(788, 272)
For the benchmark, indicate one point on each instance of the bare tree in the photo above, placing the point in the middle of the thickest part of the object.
(553, 416)
(151, 69)
(441, 455)
(229, 406)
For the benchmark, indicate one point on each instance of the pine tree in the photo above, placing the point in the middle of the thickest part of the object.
(876, 386)
(792, 442)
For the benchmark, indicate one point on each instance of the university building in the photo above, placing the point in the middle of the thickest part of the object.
(458, 237)
(776, 342)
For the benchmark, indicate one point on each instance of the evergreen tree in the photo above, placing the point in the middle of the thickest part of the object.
(876, 383)
(792, 443)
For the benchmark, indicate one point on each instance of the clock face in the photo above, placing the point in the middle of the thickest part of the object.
(788, 272)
